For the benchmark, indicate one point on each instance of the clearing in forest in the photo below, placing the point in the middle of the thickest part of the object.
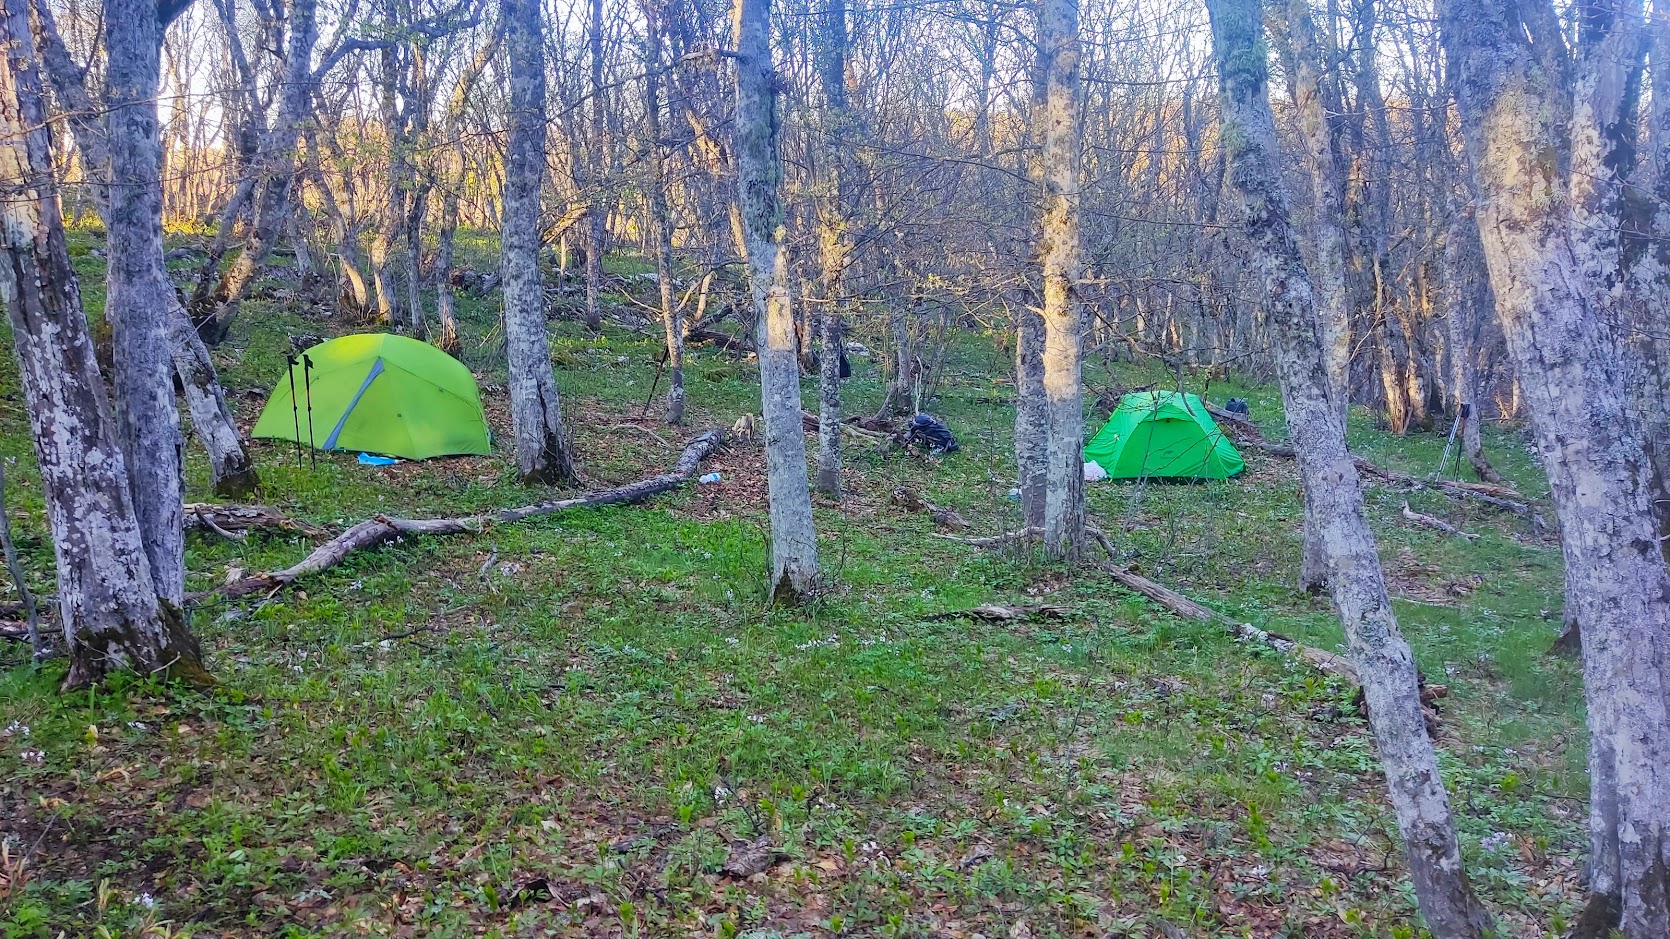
(590, 724)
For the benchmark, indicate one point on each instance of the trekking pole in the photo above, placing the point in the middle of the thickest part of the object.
(295, 414)
(652, 385)
(307, 384)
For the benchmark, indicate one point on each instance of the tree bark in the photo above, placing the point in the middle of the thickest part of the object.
(1550, 195)
(445, 308)
(543, 451)
(112, 614)
(1303, 62)
(597, 214)
(275, 164)
(1467, 300)
(1384, 662)
(1059, 129)
(661, 224)
(1031, 415)
(794, 544)
(140, 300)
(834, 243)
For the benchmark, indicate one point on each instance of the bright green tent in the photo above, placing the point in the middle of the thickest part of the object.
(381, 394)
(1166, 434)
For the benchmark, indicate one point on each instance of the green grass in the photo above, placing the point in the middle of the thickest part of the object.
(587, 724)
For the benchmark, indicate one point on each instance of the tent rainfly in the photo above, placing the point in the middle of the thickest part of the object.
(381, 394)
(1163, 434)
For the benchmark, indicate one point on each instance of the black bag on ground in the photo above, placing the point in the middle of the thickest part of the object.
(930, 433)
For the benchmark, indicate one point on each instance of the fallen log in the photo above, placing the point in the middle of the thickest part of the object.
(913, 501)
(380, 529)
(230, 521)
(725, 341)
(810, 423)
(1434, 523)
(1319, 659)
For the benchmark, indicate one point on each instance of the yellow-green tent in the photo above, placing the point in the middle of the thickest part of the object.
(381, 394)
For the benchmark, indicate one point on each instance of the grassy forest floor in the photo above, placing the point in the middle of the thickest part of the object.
(587, 715)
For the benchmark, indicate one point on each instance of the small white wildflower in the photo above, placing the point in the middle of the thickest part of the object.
(732, 641)
(146, 900)
(32, 757)
(1496, 841)
(756, 718)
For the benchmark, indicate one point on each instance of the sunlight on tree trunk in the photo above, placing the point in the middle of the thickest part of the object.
(794, 544)
(1334, 499)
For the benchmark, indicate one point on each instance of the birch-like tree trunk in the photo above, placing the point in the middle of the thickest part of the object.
(234, 473)
(141, 300)
(834, 242)
(661, 223)
(445, 304)
(1467, 301)
(1059, 128)
(1303, 62)
(1550, 199)
(1334, 494)
(1031, 415)
(112, 615)
(597, 214)
(543, 452)
(759, 168)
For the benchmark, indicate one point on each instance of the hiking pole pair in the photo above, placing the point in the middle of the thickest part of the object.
(295, 411)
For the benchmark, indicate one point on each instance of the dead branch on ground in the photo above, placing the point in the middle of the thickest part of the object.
(380, 529)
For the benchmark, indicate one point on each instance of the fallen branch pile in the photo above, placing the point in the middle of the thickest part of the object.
(1246, 433)
(380, 529)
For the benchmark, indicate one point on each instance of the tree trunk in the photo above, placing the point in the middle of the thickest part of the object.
(211, 419)
(1059, 128)
(275, 162)
(1467, 300)
(141, 301)
(543, 453)
(112, 615)
(1031, 415)
(794, 544)
(1549, 227)
(1382, 657)
(1303, 61)
(834, 243)
(661, 224)
(444, 302)
(597, 214)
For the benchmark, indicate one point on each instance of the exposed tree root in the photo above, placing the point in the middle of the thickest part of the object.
(383, 528)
